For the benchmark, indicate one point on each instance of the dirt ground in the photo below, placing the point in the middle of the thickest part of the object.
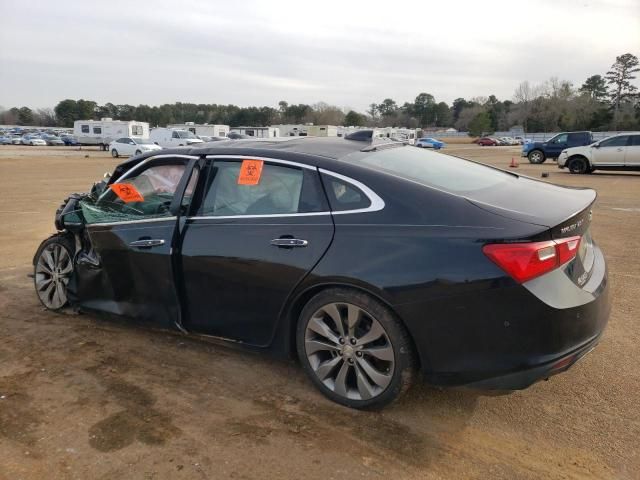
(86, 398)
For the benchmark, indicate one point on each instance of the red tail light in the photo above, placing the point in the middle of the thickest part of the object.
(524, 261)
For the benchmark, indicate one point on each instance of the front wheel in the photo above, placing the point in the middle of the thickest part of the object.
(354, 349)
(114, 153)
(578, 165)
(138, 152)
(536, 156)
(53, 266)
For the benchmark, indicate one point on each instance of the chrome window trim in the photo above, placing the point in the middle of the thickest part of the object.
(127, 222)
(266, 159)
(377, 203)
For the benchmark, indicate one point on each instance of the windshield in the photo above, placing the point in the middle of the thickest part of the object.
(433, 169)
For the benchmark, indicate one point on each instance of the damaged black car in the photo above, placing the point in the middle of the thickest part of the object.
(368, 262)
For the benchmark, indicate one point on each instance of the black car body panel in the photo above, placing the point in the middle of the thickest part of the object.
(418, 250)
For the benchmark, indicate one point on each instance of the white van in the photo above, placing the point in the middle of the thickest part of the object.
(209, 130)
(173, 137)
(102, 132)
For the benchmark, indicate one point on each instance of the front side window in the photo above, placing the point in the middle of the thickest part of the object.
(619, 141)
(279, 190)
(84, 128)
(122, 140)
(175, 135)
(147, 194)
(560, 139)
(635, 140)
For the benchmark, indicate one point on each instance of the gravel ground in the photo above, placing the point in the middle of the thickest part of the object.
(83, 397)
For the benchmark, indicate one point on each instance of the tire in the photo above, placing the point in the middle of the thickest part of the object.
(138, 152)
(578, 165)
(114, 153)
(341, 367)
(536, 156)
(52, 269)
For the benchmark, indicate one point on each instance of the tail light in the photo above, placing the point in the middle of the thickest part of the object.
(525, 261)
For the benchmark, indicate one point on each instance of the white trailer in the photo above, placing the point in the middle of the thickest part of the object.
(104, 131)
(209, 130)
(257, 132)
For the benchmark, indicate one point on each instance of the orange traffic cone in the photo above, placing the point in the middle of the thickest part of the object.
(513, 163)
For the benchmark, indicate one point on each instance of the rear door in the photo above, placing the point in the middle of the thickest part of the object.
(632, 155)
(610, 151)
(262, 225)
(129, 270)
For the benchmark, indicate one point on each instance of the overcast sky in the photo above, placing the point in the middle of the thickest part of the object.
(345, 53)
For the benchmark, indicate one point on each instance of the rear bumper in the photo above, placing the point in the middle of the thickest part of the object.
(525, 378)
(505, 337)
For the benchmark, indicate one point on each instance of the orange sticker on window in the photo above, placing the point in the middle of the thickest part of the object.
(250, 172)
(127, 192)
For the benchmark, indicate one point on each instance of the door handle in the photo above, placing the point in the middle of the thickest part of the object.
(289, 242)
(147, 243)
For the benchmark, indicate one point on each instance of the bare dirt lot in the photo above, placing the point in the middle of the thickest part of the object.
(86, 398)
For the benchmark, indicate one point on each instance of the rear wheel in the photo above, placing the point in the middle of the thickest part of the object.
(536, 156)
(114, 153)
(52, 270)
(578, 165)
(354, 349)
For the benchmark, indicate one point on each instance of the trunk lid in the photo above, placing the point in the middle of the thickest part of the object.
(564, 210)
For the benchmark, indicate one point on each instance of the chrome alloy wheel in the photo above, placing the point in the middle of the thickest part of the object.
(349, 351)
(53, 270)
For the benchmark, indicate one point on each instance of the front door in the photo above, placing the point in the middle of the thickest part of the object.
(131, 227)
(610, 151)
(260, 229)
(556, 145)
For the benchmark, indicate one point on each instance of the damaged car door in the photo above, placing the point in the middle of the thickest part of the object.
(128, 269)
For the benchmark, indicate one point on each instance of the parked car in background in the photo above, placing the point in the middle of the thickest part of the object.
(509, 141)
(538, 152)
(16, 140)
(5, 140)
(69, 140)
(271, 247)
(427, 142)
(127, 146)
(619, 152)
(487, 142)
(52, 140)
(33, 140)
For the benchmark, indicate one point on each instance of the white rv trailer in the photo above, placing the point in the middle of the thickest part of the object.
(104, 131)
(258, 132)
(209, 130)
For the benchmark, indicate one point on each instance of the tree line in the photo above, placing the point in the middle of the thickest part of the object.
(602, 102)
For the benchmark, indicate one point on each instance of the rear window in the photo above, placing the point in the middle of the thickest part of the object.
(433, 169)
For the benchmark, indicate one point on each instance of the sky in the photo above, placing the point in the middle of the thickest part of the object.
(348, 54)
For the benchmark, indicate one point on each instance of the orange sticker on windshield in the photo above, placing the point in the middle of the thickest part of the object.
(127, 192)
(250, 172)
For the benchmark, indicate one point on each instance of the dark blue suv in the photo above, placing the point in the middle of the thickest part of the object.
(538, 152)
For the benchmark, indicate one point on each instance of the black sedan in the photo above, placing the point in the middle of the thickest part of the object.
(368, 261)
